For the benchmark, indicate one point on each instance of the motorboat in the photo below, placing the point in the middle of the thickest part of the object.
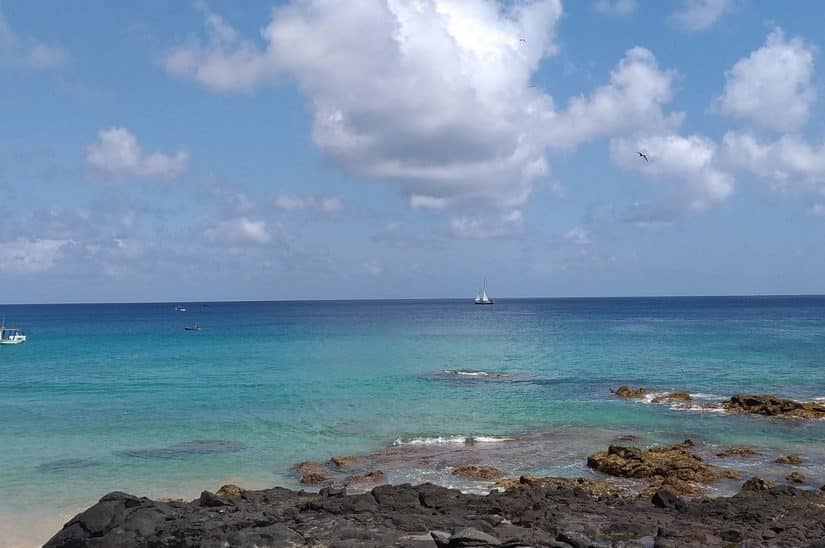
(11, 335)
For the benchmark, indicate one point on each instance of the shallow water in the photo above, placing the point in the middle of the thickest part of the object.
(107, 397)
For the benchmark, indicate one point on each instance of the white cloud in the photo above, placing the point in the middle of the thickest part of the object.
(771, 87)
(619, 8)
(396, 89)
(239, 231)
(481, 227)
(692, 160)
(325, 204)
(118, 155)
(817, 210)
(578, 235)
(698, 15)
(30, 53)
(789, 160)
(633, 99)
(24, 256)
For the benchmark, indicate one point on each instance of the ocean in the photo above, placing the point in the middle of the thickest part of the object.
(108, 397)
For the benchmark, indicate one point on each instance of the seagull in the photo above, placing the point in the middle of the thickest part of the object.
(643, 155)
(522, 40)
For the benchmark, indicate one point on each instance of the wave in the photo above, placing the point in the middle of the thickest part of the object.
(447, 440)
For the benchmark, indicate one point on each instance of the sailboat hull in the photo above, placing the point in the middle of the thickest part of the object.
(484, 302)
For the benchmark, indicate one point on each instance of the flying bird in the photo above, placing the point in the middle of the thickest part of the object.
(643, 155)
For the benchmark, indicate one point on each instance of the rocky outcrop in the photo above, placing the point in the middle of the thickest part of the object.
(745, 452)
(344, 462)
(774, 407)
(625, 391)
(427, 516)
(796, 477)
(672, 396)
(676, 466)
(596, 489)
(757, 484)
(312, 473)
(370, 477)
(789, 459)
(478, 473)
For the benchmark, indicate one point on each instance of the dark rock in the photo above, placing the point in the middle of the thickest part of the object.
(731, 535)
(796, 477)
(472, 537)
(574, 539)
(772, 406)
(672, 396)
(211, 500)
(757, 484)
(738, 452)
(342, 462)
(477, 472)
(372, 477)
(333, 491)
(665, 497)
(625, 391)
(789, 459)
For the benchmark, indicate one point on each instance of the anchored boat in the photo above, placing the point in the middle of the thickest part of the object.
(11, 335)
(482, 297)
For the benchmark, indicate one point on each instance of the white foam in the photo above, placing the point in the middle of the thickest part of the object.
(446, 440)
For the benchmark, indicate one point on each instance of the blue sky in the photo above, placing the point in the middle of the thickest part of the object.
(308, 149)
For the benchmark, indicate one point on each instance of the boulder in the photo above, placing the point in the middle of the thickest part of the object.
(312, 473)
(472, 537)
(625, 391)
(675, 465)
(371, 477)
(596, 489)
(772, 406)
(745, 452)
(230, 490)
(477, 472)
(672, 396)
(344, 461)
(789, 459)
(757, 484)
(796, 477)
(666, 497)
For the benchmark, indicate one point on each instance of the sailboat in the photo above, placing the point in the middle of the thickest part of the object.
(482, 297)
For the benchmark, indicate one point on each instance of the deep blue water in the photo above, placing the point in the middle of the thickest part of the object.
(119, 396)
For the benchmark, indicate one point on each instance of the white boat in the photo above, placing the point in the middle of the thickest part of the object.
(482, 297)
(180, 308)
(11, 335)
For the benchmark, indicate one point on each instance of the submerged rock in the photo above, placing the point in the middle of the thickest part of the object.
(312, 473)
(672, 396)
(371, 477)
(428, 515)
(757, 484)
(476, 472)
(344, 461)
(789, 459)
(738, 452)
(675, 466)
(772, 406)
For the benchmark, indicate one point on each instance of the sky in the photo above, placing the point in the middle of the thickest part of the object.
(317, 149)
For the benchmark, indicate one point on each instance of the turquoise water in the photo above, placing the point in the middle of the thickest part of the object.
(106, 397)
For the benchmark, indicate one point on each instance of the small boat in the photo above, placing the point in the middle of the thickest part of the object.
(195, 327)
(180, 308)
(482, 297)
(11, 335)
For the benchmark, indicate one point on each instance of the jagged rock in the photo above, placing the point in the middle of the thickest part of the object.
(738, 452)
(772, 406)
(596, 489)
(758, 484)
(211, 500)
(677, 396)
(472, 537)
(230, 490)
(344, 461)
(312, 473)
(789, 459)
(476, 472)
(796, 477)
(625, 391)
(665, 497)
(676, 465)
(371, 477)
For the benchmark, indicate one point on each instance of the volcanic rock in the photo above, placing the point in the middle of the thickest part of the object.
(344, 461)
(789, 459)
(738, 452)
(757, 484)
(477, 472)
(625, 391)
(772, 406)
(796, 477)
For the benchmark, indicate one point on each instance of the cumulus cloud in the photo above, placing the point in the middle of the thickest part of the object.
(619, 8)
(771, 87)
(238, 232)
(698, 15)
(118, 155)
(788, 160)
(480, 227)
(578, 235)
(693, 161)
(296, 202)
(27, 52)
(23, 256)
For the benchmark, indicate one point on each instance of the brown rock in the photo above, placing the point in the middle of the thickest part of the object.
(312, 473)
(372, 477)
(344, 461)
(230, 490)
(678, 396)
(789, 459)
(675, 466)
(738, 452)
(625, 391)
(796, 477)
(596, 489)
(757, 484)
(772, 406)
(476, 472)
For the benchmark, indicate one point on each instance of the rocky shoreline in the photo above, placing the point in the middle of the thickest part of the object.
(554, 512)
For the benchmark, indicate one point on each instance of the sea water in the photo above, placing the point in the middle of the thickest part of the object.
(120, 397)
